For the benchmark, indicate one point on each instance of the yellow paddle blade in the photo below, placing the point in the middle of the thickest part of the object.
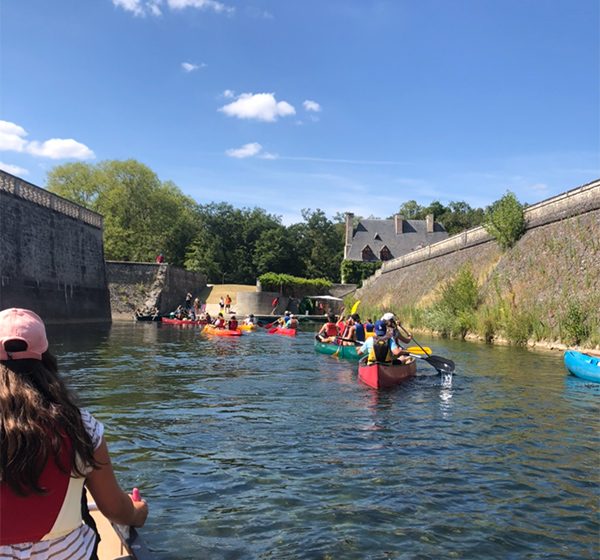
(425, 351)
(354, 308)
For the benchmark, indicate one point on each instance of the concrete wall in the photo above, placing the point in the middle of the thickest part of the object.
(146, 285)
(51, 255)
(259, 303)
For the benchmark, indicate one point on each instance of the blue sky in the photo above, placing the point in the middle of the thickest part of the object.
(343, 105)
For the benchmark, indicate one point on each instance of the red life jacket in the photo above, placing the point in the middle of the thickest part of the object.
(38, 517)
(331, 329)
(233, 325)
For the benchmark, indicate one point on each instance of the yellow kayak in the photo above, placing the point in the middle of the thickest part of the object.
(247, 327)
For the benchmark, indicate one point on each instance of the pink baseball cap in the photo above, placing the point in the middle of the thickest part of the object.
(25, 325)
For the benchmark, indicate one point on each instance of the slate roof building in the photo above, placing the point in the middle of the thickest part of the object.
(382, 240)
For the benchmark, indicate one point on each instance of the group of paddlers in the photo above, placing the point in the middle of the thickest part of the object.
(287, 321)
(382, 340)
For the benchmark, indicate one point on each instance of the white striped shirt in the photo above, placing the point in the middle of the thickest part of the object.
(78, 544)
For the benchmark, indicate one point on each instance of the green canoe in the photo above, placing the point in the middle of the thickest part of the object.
(347, 352)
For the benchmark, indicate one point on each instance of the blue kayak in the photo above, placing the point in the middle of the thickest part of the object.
(583, 366)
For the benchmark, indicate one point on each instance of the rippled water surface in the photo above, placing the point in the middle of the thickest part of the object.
(260, 448)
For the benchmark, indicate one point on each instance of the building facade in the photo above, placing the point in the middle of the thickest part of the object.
(383, 240)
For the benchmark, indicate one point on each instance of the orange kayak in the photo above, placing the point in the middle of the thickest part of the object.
(212, 330)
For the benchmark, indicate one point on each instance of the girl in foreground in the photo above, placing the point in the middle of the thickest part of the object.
(48, 449)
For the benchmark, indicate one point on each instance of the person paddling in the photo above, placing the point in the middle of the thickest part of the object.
(329, 331)
(382, 347)
(392, 326)
(359, 328)
(49, 448)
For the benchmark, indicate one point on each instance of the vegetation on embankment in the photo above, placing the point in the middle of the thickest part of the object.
(542, 291)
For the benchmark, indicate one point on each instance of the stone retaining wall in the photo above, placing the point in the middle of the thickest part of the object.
(51, 255)
(135, 285)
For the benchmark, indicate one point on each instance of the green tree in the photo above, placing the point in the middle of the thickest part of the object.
(142, 215)
(320, 245)
(505, 220)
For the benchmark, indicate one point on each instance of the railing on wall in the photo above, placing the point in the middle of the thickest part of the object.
(575, 201)
(28, 191)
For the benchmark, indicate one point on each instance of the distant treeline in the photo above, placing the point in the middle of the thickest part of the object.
(144, 216)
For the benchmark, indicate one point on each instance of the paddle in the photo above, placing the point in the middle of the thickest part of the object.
(442, 365)
(354, 307)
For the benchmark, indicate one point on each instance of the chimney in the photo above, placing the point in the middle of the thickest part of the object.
(399, 223)
(429, 222)
(349, 232)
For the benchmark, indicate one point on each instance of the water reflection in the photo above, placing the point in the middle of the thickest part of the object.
(258, 447)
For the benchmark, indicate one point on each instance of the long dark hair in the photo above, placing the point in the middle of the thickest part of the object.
(37, 412)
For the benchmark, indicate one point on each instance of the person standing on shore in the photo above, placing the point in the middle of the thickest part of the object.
(49, 448)
(227, 304)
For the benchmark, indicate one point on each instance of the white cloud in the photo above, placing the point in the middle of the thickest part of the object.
(60, 148)
(311, 106)
(12, 138)
(189, 67)
(268, 155)
(134, 6)
(213, 5)
(144, 7)
(228, 93)
(13, 169)
(247, 150)
(259, 106)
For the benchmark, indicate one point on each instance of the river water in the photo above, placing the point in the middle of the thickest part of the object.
(258, 447)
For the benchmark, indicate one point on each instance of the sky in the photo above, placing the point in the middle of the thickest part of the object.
(342, 105)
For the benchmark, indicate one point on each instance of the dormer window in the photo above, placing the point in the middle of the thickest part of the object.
(367, 254)
(377, 237)
(385, 253)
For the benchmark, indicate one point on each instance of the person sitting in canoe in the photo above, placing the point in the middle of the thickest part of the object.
(232, 324)
(359, 328)
(329, 331)
(250, 320)
(292, 323)
(349, 333)
(382, 347)
(282, 321)
(219, 321)
(341, 323)
(369, 328)
(392, 326)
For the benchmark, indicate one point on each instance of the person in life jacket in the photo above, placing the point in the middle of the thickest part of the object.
(393, 329)
(232, 324)
(382, 348)
(49, 449)
(359, 328)
(219, 321)
(329, 331)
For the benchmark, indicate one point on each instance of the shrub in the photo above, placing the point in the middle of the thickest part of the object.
(518, 327)
(454, 313)
(575, 324)
(292, 285)
(505, 220)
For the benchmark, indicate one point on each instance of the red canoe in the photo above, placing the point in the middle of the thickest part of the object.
(382, 376)
(169, 321)
(283, 331)
(211, 329)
